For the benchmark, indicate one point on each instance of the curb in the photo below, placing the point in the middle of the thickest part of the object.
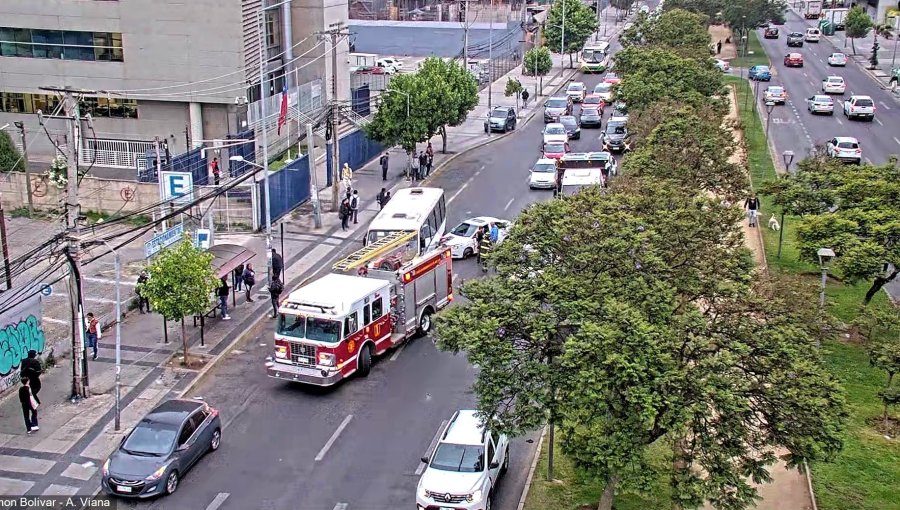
(534, 462)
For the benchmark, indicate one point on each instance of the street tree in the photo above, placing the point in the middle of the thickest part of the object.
(854, 212)
(447, 93)
(857, 24)
(679, 31)
(10, 157)
(651, 75)
(748, 14)
(579, 22)
(513, 89)
(885, 355)
(538, 63)
(181, 284)
(709, 8)
(401, 116)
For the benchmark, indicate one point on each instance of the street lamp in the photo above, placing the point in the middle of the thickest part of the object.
(118, 422)
(825, 257)
(788, 157)
(770, 106)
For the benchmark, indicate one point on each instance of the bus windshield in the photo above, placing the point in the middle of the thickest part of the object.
(592, 56)
(312, 328)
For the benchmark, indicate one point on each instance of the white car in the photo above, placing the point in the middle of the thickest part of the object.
(723, 65)
(845, 148)
(775, 94)
(837, 60)
(834, 85)
(390, 63)
(555, 132)
(604, 90)
(461, 240)
(859, 106)
(576, 91)
(465, 466)
(543, 174)
(820, 103)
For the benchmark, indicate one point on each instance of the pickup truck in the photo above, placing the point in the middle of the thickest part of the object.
(859, 106)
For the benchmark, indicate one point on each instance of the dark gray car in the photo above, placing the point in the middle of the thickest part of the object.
(590, 117)
(556, 107)
(615, 137)
(501, 118)
(161, 448)
(570, 123)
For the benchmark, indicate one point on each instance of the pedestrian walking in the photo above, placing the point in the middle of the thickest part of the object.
(93, 333)
(423, 165)
(383, 161)
(719, 47)
(277, 264)
(29, 407)
(344, 214)
(429, 158)
(222, 293)
(249, 278)
(214, 166)
(31, 370)
(752, 206)
(238, 277)
(525, 98)
(143, 302)
(354, 206)
(381, 198)
(275, 290)
(414, 161)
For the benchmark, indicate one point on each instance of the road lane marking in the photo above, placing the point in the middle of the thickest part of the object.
(839, 121)
(869, 161)
(397, 352)
(431, 446)
(217, 501)
(897, 140)
(886, 107)
(333, 437)
(511, 200)
(878, 121)
(340, 506)
(464, 186)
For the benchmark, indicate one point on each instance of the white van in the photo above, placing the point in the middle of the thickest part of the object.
(813, 34)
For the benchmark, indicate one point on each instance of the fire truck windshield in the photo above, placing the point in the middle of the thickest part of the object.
(311, 328)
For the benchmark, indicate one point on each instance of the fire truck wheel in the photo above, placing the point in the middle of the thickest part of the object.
(425, 322)
(364, 362)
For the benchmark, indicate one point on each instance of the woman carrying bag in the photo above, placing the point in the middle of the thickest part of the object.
(29, 407)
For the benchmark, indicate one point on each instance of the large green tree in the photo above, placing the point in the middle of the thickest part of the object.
(749, 14)
(854, 211)
(181, 284)
(651, 75)
(567, 34)
(537, 62)
(680, 31)
(857, 25)
(10, 157)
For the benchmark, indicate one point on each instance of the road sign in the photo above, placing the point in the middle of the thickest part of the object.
(46, 290)
(202, 238)
(177, 186)
(155, 245)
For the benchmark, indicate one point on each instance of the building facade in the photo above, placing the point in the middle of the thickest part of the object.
(185, 72)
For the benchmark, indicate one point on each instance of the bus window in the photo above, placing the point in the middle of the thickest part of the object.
(425, 236)
(432, 220)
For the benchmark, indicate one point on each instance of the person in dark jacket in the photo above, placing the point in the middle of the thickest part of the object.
(344, 214)
(383, 161)
(423, 165)
(222, 293)
(249, 278)
(752, 206)
(277, 264)
(31, 370)
(275, 290)
(479, 237)
(29, 410)
(143, 302)
(381, 198)
(238, 277)
(354, 206)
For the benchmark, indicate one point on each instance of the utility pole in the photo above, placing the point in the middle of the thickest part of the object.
(335, 35)
(80, 379)
(562, 36)
(490, 60)
(466, 35)
(5, 245)
(21, 126)
(314, 183)
(159, 179)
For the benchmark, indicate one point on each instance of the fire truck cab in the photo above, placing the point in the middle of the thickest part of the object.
(334, 326)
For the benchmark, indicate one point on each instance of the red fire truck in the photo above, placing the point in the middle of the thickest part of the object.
(375, 299)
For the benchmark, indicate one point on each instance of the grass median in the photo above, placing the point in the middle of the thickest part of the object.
(866, 474)
(756, 55)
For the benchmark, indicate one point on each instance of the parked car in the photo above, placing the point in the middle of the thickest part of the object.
(576, 91)
(604, 91)
(591, 117)
(837, 59)
(845, 148)
(614, 138)
(573, 130)
(775, 94)
(555, 150)
(859, 107)
(555, 132)
(465, 466)
(820, 103)
(771, 33)
(795, 39)
(461, 239)
(556, 107)
(543, 174)
(501, 118)
(793, 60)
(390, 62)
(161, 449)
(834, 85)
(760, 73)
(723, 65)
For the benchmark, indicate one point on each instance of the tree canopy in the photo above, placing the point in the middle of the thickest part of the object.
(651, 75)
(679, 31)
(10, 157)
(580, 22)
(857, 25)
(537, 61)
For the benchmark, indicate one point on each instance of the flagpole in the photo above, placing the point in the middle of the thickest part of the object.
(265, 143)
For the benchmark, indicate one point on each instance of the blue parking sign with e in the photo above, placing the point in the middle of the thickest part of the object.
(177, 186)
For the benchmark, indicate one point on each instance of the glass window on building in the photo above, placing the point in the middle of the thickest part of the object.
(46, 43)
(61, 44)
(11, 102)
(98, 107)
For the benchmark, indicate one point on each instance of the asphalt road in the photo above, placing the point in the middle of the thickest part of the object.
(793, 128)
(275, 432)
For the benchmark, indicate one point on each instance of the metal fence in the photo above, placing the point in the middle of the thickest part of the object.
(115, 153)
(233, 210)
(356, 150)
(289, 187)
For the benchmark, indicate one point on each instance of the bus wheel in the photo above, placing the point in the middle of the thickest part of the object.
(364, 362)
(425, 322)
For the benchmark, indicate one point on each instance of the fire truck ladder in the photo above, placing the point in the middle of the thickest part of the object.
(362, 256)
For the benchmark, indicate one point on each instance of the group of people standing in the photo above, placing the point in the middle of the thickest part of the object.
(422, 163)
(245, 278)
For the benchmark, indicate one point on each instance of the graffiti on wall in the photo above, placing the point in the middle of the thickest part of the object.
(20, 332)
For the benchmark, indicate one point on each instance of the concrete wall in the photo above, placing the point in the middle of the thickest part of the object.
(309, 16)
(108, 196)
(421, 38)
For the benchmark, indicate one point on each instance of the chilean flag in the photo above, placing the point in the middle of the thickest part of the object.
(282, 116)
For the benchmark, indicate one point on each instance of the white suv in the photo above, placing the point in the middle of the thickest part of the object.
(464, 468)
(845, 148)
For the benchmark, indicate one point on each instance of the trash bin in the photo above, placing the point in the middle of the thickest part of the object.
(827, 27)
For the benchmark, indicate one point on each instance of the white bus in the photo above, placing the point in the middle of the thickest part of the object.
(594, 57)
(422, 210)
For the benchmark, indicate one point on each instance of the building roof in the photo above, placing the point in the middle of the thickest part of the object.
(334, 294)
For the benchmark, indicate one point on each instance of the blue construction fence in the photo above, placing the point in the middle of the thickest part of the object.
(197, 161)
(356, 150)
(289, 187)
